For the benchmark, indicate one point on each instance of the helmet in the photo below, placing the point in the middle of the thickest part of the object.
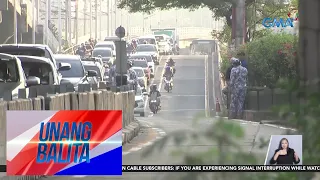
(129, 63)
(170, 59)
(99, 56)
(154, 87)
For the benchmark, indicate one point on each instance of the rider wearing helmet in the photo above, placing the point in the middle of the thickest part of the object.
(154, 89)
(132, 75)
(168, 74)
(172, 63)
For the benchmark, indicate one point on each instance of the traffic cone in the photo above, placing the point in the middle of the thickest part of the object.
(218, 109)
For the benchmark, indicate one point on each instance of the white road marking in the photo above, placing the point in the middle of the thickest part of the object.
(146, 100)
(162, 72)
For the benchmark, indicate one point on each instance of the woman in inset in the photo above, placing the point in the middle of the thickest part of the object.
(284, 154)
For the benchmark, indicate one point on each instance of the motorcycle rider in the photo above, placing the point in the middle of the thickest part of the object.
(154, 89)
(172, 63)
(133, 79)
(168, 74)
(80, 52)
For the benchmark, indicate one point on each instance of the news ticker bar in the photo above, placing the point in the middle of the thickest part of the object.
(213, 168)
(219, 168)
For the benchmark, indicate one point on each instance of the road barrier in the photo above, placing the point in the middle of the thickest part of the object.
(63, 97)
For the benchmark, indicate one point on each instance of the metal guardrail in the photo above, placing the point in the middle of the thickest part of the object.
(263, 99)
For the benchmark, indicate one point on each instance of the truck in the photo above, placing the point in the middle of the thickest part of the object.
(172, 32)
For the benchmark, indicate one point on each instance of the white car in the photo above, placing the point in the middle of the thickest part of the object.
(146, 56)
(140, 102)
(106, 44)
(164, 47)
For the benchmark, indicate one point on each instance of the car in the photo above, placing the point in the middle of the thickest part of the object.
(149, 49)
(106, 54)
(140, 101)
(106, 44)
(113, 38)
(93, 59)
(93, 66)
(42, 69)
(76, 74)
(164, 48)
(150, 39)
(143, 64)
(149, 59)
(142, 77)
(39, 50)
(16, 79)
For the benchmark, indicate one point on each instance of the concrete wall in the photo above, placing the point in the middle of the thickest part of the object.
(91, 98)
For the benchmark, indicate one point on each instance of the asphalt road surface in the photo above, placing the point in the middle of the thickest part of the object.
(179, 108)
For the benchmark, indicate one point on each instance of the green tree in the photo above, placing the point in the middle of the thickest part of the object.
(256, 11)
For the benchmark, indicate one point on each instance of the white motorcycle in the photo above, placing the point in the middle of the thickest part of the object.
(167, 85)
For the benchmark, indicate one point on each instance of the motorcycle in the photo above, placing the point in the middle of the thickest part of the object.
(167, 85)
(153, 104)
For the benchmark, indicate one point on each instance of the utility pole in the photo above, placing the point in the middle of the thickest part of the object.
(128, 24)
(100, 35)
(45, 37)
(240, 20)
(15, 23)
(90, 2)
(33, 22)
(69, 21)
(115, 15)
(76, 22)
(143, 23)
(49, 9)
(66, 21)
(84, 17)
(96, 18)
(59, 24)
(108, 18)
(121, 14)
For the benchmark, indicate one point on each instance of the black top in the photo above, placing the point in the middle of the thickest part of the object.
(287, 159)
(228, 73)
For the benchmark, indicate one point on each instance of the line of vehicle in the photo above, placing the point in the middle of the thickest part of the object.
(162, 72)
(148, 89)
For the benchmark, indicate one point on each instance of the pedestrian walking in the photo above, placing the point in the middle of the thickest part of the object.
(238, 81)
